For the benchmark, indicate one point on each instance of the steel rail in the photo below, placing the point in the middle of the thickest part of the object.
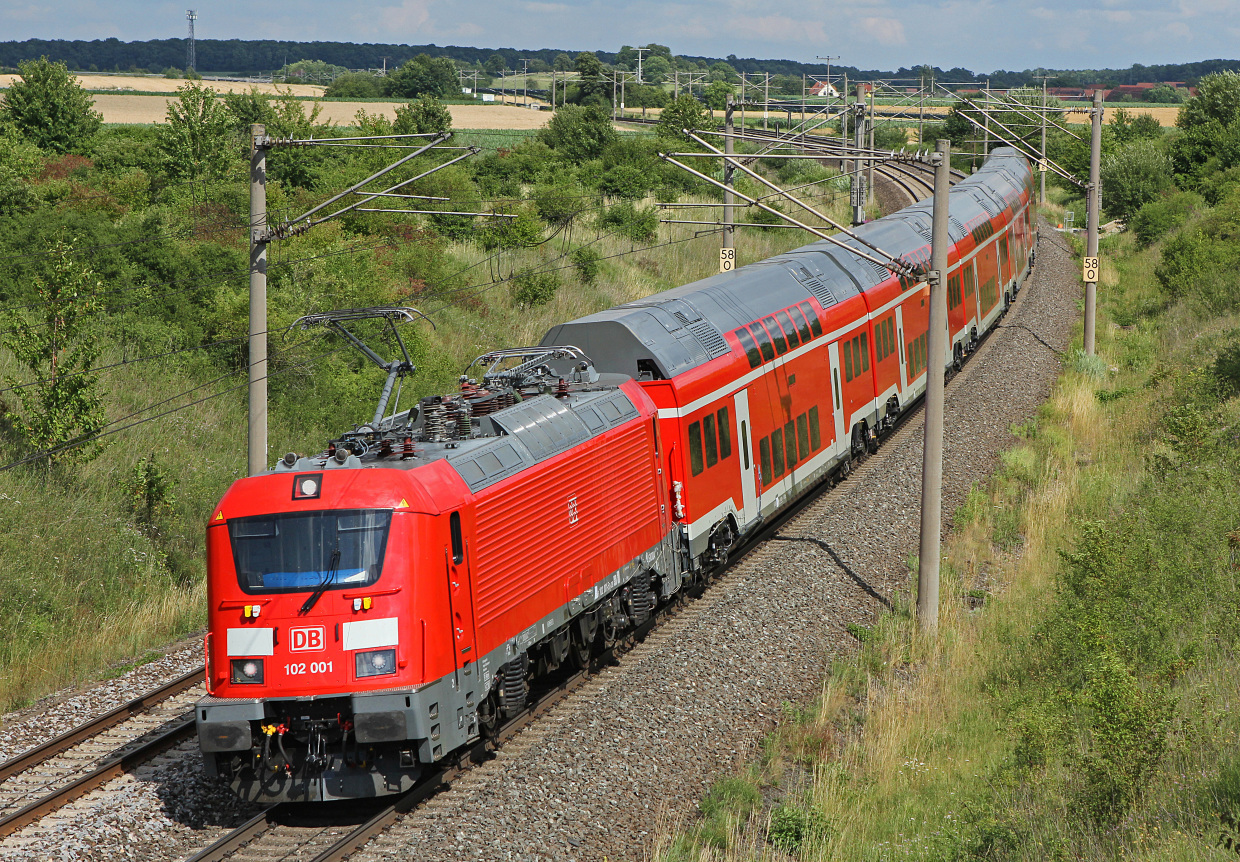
(100, 775)
(121, 714)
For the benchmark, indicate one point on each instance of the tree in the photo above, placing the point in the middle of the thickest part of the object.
(721, 71)
(684, 113)
(58, 344)
(354, 85)
(425, 116)
(1128, 128)
(494, 65)
(1218, 99)
(50, 108)
(589, 66)
(655, 69)
(195, 139)
(717, 93)
(435, 76)
(1165, 95)
(562, 63)
(1133, 175)
(579, 132)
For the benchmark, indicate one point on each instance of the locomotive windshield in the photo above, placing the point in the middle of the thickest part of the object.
(309, 550)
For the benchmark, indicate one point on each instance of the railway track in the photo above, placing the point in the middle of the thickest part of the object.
(50, 776)
(913, 180)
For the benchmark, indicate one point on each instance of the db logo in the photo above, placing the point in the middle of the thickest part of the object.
(308, 639)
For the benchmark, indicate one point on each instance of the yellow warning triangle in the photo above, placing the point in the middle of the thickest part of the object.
(219, 516)
(402, 504)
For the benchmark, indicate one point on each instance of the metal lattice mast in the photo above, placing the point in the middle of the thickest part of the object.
(190, 62)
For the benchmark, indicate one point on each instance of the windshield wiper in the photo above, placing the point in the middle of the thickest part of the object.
(322, 587)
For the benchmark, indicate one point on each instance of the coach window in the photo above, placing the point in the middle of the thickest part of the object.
(798, 318)
(781, 346)
(968, 279)
(803, 435)
(837, 388)
(814, 325)
(789, 330)
(725, 435)
(777, 454)
(865, 352)
(750, 346)
(764, 461)
(790, 443)
(764, 341)
(458, 542)
(695, 448)
(708, 432)
(848, 361)
(815, 433)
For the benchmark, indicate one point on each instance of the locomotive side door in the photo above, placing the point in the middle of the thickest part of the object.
(749, 491)
(460, 594)
(843, 440)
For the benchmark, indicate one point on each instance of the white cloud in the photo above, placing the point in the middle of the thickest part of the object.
(885, 31)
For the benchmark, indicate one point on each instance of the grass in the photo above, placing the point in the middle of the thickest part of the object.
(983, 744)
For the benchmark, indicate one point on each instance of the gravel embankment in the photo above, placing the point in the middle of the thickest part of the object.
(644, 740)
(53, 715)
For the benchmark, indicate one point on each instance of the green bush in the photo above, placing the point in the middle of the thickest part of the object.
(637, 224)
(625, 181)
(50, 108)
(586, 263)
(1158, 217)
(1133, 175)
(792, 827)
(558, 204)
(579, 132)
(354, 85)
(533, 287)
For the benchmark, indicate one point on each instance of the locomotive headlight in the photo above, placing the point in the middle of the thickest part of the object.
(376, 662)
(247, 671)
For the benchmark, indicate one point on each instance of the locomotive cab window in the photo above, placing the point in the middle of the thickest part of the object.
(458, 542)
(301, 551)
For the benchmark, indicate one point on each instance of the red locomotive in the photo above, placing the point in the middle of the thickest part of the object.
(378, 606)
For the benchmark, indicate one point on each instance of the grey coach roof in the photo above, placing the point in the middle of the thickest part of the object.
(677, 330)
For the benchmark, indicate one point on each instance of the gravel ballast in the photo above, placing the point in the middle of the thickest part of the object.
(642, 741)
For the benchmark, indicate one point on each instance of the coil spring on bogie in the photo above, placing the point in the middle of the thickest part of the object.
(641, 598)
(513, 689)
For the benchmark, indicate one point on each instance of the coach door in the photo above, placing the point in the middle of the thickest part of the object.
(904, 381)
(842, 440)
(460, 595)
(749, 489)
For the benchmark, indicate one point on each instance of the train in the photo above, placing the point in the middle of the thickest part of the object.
(378, 607)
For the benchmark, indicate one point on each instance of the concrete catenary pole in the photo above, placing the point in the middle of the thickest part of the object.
(932, 456)
(858, 174)
(869, 179)
(728, 149)
(1042, 152)
(1094, 195)
(257, 447)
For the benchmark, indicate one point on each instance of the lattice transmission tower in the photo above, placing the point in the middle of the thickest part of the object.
(191, 16)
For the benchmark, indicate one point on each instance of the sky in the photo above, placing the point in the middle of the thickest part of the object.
(980, 35)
